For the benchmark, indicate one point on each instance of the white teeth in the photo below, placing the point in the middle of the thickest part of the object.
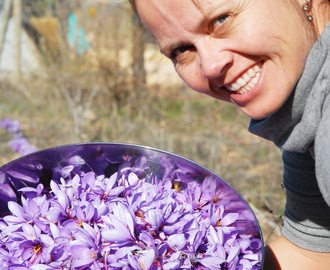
(241, 82)
(234, 87)
(251, 72)
(246, 77)
(246, 82)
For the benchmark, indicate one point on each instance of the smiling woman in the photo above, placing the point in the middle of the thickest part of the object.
(272, 60)
(214, 48)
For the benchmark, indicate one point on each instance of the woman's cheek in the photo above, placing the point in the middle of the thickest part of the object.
(193, 78)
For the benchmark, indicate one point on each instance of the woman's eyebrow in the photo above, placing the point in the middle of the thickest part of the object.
(166, 49)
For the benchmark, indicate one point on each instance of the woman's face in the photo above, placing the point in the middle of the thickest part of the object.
(247, 52)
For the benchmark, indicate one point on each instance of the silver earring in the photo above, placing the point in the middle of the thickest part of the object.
(307, 6)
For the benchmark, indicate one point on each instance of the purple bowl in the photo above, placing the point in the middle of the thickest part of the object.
(109, 158)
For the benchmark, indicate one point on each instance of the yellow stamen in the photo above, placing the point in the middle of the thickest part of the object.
(37, 249)
(139, 213)
(93, 255)
(218, 224)
(176, 186)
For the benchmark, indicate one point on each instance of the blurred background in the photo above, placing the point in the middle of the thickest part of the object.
(77, 71)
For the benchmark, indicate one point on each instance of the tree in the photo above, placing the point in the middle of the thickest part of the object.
(138, 34)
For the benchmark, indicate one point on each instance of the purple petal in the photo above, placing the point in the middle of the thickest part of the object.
(154, 218)
(117, 236)
(147, 259)
(256, 244)
(134, 263)
(6, 193)
(81, 251)
(177, 241)
(212, 262)
(16, 209)
(172, 265)
(234, 251)
(229, 219)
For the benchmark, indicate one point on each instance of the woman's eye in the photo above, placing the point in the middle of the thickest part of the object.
(179, 51)
(220, 20)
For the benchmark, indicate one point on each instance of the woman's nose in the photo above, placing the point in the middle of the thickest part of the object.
(215, 60)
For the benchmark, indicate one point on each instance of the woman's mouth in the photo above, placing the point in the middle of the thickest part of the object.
(246, 82)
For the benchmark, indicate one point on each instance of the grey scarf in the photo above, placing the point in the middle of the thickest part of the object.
(303, 122)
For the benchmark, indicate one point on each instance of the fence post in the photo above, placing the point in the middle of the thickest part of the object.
(138, 53)
(4, 23)
(18, 26)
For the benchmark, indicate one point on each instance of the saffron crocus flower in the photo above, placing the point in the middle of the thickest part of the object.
(127, 213)
(29, 212)
(118, 234)
(10, 125)
(86, 247)
(18, 143)
(21, 145)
